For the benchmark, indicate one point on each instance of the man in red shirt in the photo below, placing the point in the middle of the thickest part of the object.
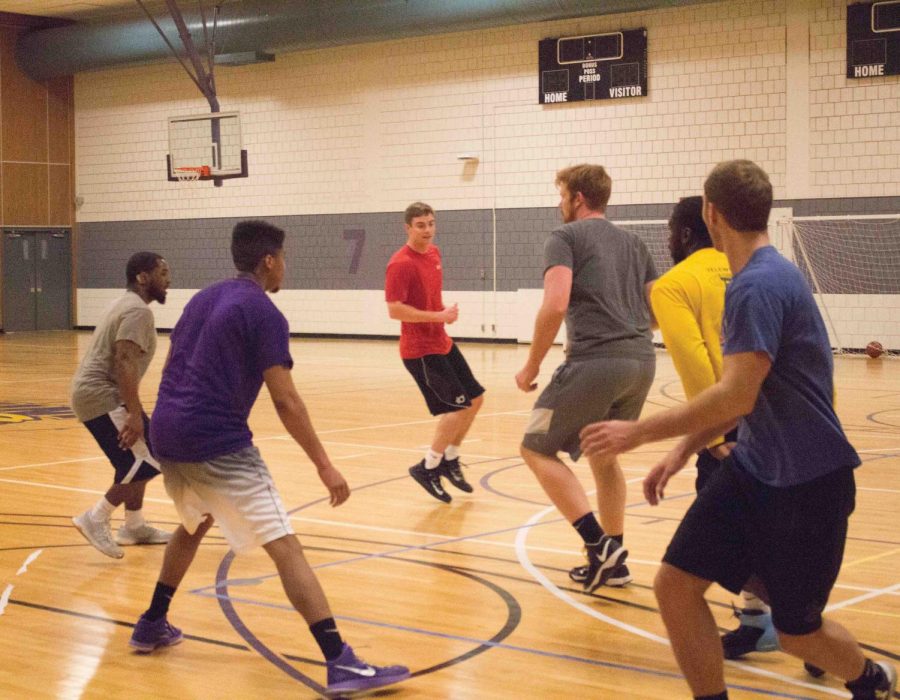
(413, 293)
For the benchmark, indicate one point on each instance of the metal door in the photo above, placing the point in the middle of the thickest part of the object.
(53, 281)
(37, 280)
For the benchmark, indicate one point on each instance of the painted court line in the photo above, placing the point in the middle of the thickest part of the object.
(522, 552)
(864, 596)
(51, 464)
(492, 644)
(4, 597)
(31, 557)
(74, 489)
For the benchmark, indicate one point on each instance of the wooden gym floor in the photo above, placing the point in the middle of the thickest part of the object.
(473, 596)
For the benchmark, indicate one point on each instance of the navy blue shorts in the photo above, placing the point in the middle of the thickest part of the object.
(136, 464)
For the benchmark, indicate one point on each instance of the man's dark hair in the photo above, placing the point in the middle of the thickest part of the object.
(742, 193)
(141, 262)
(415, 210)
(253, 240)
(688, 215)
(592, 181)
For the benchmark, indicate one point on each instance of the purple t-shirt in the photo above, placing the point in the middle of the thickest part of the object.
(792, 435)
(228, 335)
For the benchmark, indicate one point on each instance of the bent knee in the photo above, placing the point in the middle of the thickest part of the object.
(673, 584)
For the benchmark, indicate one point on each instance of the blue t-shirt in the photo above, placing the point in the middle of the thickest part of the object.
(228, 335)
(792, 435)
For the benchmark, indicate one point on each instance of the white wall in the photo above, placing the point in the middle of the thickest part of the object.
(370, 128)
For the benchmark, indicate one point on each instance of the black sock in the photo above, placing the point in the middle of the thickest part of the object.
(328, 638)
(619, 538)
(869, 678)
(719, 696)
(588, 528)
(159, 606)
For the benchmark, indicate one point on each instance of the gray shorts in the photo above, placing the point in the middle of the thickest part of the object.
(583, 392)
(237, 490)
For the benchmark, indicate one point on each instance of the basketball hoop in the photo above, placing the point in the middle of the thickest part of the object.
(191, 173)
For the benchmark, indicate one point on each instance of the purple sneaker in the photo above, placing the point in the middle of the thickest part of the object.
(148, 635)
(348, 674)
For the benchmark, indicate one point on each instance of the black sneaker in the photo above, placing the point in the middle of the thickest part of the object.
(430, 480)
(883, 687)
(451, 469)
(619, 577)
(603, 557)
(755, 633)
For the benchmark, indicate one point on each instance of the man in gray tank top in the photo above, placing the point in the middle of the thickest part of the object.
(597, 277)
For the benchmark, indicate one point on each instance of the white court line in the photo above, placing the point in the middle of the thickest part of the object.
(4, 597)
(50, 464)
(865, 596)
(31, 557)
(413, 422)
(522, 552)
(358, 454)
(431, 535)
(510, 545)
(416, 450)
(18, 482)
(31, 380)
(883, 449)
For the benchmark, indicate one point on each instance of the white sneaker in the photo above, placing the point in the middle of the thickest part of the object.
(144, 534)
(98, 534)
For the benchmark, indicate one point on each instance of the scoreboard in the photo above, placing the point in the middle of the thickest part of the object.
(593, 67)
(873, 39)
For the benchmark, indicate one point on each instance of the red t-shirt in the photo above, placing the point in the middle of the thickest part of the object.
(416, 279)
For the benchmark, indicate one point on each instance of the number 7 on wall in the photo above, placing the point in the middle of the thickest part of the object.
(358, 236)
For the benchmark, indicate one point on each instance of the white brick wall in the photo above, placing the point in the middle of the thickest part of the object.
(375, 126)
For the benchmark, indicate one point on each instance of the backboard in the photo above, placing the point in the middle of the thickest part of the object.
(211, 142)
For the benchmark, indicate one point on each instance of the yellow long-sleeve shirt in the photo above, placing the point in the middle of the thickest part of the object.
(688, 302)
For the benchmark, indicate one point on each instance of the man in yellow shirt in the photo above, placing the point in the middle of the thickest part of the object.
(688, 302)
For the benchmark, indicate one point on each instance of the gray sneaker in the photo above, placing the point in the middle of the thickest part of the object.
(145, 534)
(98, 534)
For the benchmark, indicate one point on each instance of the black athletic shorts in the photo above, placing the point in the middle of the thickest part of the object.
(791, 539)
(445, 381)
(707, 463)
(136, 464)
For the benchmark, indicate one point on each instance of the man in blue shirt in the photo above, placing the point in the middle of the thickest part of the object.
(774, 518)
(230, 340)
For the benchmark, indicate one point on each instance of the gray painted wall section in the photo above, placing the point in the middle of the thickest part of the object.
(323, 251)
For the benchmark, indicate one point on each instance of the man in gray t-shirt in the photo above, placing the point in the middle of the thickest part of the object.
(598, 277)
(105, 398)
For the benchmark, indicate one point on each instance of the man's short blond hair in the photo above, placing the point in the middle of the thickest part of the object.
(592, 181)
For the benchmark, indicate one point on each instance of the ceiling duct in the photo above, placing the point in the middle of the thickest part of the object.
(268, 26)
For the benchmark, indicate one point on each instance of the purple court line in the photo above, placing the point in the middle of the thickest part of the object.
(413, 548)
(488, 643)
(227, 605)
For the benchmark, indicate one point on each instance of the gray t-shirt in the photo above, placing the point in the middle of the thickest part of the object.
(608, 314)
(94, 388)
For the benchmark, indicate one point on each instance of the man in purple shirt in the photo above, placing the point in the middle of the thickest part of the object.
(229, 341)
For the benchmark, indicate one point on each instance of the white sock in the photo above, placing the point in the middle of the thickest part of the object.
(134, 519)
(102, 511)
(752, 602)
(452, 452)
(432, 459)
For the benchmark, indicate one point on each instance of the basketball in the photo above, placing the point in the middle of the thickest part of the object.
(874, 349)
